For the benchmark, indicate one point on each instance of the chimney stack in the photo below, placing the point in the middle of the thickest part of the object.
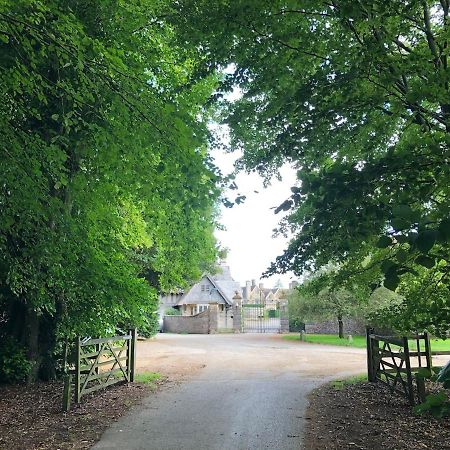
(247, 290)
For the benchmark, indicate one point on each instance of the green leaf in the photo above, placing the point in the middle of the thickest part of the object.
(388, 266)
(384, 242)
(402, 211)
(426, 240)
(444, 229)
(400, 224)
(425, 261)
(424, 372)
(392, 282)
(402, 255)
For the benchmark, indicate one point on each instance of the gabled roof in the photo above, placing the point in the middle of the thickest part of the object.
(219, 290)
(222, 282)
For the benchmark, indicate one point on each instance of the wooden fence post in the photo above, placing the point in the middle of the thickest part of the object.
(428, 354)
(67, 392)
(370, 364)
(408, 371)
(77, 369)
(421, 393)
(133, 354)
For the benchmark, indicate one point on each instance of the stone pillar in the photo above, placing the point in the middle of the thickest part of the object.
(213, 319)
(237, 299)
(284, 318)
(237, 318)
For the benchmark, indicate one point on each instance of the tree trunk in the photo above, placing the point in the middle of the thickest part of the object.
(31, 338)
(341, 326)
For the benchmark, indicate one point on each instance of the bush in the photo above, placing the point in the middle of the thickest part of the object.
(296, 325)
(172, 312)
(14, 364)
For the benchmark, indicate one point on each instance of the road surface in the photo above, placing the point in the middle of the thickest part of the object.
(228, 392)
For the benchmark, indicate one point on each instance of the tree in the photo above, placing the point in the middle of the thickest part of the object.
(307, 303)
(355, 95)
(107, 192)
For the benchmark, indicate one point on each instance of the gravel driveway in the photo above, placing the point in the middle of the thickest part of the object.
(230, 392)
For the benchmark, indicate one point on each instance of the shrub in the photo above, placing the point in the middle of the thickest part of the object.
(14, 364)
(172, 312)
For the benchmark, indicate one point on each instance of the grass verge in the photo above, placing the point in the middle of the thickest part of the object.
(360, 341)
(340, 384)
(148, 378)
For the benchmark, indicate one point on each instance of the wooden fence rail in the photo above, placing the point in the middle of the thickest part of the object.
(99, 363)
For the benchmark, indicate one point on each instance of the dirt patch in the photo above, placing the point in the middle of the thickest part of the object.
(365, 416)
(31, 417)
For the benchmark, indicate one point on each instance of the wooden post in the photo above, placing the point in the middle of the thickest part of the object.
(370, 364)
(419, 353)
(67, 392)
(77, 370)
(408, 371)
(132, 361)
(97, 349)
(129, 357)
(421, 394)
(428, 354)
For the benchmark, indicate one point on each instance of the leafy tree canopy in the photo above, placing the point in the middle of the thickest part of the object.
(107, 193)
(355, 94)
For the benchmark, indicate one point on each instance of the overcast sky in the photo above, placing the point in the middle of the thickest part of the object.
(249, 226)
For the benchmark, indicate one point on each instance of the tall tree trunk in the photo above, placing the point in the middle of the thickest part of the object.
(31, 339)
(341, 326)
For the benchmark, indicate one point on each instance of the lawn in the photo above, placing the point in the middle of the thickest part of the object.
(359, 341)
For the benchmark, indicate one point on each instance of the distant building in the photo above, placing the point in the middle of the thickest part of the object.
(218, 289)
(253, 293)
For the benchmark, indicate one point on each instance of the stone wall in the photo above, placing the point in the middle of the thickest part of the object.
(204, 323)
(351, 326)
(198, 324)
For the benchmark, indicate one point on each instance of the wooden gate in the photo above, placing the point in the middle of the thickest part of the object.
(391, 361)
(100, 363)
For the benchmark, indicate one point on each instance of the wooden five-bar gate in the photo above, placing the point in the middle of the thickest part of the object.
(99, 363)
(395, 361)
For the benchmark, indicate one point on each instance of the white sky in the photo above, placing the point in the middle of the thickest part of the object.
(249, 226)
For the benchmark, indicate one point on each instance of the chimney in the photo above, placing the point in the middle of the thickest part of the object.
(293, 284)
(247, 290)
(261, 286)
(253, 283)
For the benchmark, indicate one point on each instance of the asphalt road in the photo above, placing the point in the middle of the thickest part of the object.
(234, 392)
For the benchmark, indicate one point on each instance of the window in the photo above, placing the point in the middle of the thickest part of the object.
(200, 308)
(205, 287)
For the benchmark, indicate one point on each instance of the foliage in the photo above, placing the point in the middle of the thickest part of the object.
(107, 192)
(438, 405)
(356, 96)
(295, 323)
(14, 364)
(172, 312)
(315, 301)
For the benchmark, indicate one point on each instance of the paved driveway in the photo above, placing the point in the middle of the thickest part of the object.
(230, 392)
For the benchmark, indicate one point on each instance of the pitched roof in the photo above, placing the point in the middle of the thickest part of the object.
(222, 282)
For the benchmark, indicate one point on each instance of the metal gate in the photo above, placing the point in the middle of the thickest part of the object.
(256, 318)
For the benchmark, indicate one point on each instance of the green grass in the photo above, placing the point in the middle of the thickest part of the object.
(360, 341)
(340, 384)
(329, 339)
(147, 378)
